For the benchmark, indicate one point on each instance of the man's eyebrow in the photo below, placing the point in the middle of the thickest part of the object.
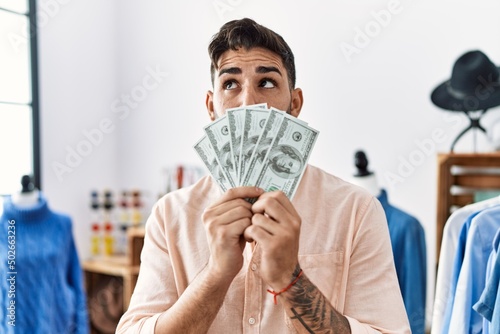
(230, 70)
(260, 70)
(267, 69)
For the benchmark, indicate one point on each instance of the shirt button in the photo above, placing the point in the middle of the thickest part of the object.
(251, 321)
(254, 267)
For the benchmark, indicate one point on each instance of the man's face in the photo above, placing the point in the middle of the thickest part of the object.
(246, 77)
(287, 164)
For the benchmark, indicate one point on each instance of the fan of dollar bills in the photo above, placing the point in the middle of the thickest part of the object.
(257, 146)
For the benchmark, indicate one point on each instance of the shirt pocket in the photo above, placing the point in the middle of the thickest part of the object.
(325, 271)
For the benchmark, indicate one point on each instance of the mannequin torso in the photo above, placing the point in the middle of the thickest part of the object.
(26, 199)
(369, 182)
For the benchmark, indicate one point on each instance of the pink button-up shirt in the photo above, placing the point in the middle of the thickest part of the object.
(345, 251)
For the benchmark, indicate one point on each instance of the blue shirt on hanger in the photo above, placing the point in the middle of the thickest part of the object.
(471, 280)
(489, 303)
(447, 252)
(409, 249)
(457, 265)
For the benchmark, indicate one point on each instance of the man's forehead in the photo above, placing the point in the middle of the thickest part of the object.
(253, 58)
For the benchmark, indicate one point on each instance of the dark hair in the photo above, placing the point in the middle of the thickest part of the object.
(246, 33)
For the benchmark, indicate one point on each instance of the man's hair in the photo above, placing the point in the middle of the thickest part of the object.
(248, 34)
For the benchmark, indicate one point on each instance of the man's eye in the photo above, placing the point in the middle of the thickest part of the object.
(229, 85)
(267, 83)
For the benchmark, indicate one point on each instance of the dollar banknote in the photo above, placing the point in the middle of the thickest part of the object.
(207, 154)
(219, 136)
(236, 120)
(257, 146)
(264, 142)
(287, 157)
(255, 122)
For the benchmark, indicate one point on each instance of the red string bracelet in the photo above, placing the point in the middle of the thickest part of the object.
(276, 294)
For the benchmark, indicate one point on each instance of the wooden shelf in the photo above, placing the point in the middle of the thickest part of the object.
(111, 265)
(126, 267)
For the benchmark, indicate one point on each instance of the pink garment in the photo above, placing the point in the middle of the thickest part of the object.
(345, 251)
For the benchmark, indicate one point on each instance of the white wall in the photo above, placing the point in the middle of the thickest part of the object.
(78, 82)
(93, 53)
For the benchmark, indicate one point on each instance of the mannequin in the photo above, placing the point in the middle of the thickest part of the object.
(28, 196)
(364, 178)
(408, 246)
(51, 295)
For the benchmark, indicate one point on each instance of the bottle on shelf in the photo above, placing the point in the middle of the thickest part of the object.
(95, 237)
(180, 176)
(95, 240)
(108, 237)
(123, 223)
(136, 204)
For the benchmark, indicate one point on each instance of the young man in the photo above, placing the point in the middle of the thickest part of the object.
(210, 258)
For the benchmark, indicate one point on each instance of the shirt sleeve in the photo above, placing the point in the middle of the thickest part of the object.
(413, 277)
(373, 298)
(154, 292)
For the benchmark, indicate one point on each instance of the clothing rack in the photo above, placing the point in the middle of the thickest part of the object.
(460, 176)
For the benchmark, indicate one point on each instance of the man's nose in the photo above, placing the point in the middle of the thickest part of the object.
(248, 96)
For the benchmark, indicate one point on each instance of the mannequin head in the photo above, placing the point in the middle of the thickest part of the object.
(28, 196)
(365, 178)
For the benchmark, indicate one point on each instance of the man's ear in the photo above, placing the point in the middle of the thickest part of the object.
(297, 102)
(209, 102)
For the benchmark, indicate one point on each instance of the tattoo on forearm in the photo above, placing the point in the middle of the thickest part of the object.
(299, 318)
(313, 310)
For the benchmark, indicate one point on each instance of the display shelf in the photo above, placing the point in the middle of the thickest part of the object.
(124, 267)
(460, 177)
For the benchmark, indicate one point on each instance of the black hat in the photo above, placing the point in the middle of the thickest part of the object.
(474, 85)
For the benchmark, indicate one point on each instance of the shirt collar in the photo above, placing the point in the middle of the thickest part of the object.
(382, 197)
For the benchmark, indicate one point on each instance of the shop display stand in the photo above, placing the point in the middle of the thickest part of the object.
(123, 267)
(460, 176)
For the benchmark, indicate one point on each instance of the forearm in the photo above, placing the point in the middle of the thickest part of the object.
(197, 307)
(310, 311)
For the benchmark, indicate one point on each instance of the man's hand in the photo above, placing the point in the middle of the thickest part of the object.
(276, 228)
(225, 221)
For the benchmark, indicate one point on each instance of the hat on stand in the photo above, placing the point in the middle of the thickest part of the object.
(474, 85)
